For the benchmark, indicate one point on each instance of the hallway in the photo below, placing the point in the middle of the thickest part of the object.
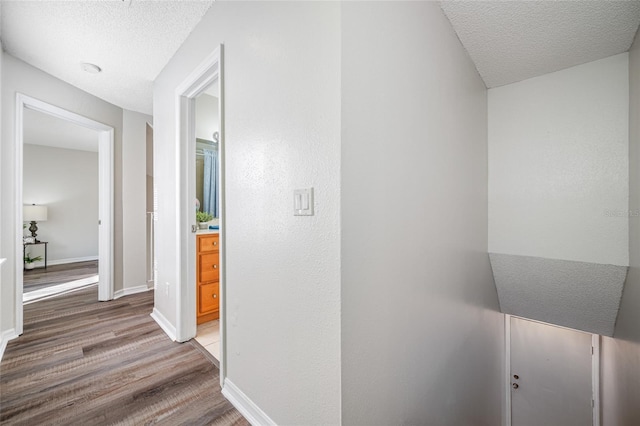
(88, 362)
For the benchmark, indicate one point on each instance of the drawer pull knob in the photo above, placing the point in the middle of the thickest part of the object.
(215, 266)
(215, 243)
(215, 295)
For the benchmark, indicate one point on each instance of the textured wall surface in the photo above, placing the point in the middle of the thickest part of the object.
(628, 326)
(559, 165)
(580, 295)
(421, 336)
(515, 40)
(620, 367)
(282, 105)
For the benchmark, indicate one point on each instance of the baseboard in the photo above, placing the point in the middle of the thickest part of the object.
(244, 405)
(130, 290)
(5, 336)
(69, 260)
(164, 324)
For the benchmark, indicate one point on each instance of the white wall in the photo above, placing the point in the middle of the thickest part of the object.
(66, 181)
(620, 371)
(282, 69)
(421, 338)
(558, 164)
(134, 221)
(207, 116)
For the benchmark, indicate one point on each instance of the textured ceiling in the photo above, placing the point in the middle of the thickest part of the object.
(44, 129)
(511, 41)
(130, 40)
(580, 295)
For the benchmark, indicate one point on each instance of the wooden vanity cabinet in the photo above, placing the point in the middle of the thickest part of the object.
(207, 277)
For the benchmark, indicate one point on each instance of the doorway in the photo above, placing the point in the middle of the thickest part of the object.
(201, 79)
(551, 375)
(60, 193)
(105, 148)
(207, 132)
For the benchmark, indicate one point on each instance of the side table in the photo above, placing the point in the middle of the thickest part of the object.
(24, 250)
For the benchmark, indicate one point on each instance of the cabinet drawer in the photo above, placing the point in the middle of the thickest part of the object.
(208, 267)
(208, 298)
(208, 243)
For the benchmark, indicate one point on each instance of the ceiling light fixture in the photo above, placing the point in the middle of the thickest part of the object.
(91, 68)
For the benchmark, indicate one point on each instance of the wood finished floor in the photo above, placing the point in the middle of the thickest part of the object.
(86, 362)
(38, 278)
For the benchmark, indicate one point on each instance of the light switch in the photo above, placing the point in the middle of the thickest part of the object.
(303, 202)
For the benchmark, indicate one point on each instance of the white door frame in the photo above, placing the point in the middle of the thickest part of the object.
(105, 195)
(595, 371)
(195, 84)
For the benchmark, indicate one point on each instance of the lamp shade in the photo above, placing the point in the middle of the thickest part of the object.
(34, 213)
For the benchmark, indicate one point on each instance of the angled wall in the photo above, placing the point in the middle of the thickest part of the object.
(559, 194)
(620, 365)
(421, 335)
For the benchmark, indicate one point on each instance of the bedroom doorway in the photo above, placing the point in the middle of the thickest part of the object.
(26, 105)
(60, 192)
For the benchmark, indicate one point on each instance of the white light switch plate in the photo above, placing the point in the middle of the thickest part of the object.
(303, 202)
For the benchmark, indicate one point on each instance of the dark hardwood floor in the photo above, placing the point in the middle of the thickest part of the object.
(86, 362)
(38, 278)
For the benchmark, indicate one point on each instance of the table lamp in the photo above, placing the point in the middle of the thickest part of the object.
(34, 214)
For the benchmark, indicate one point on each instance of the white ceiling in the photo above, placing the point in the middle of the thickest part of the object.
(44, 129)
(130, 40)
(511, 41)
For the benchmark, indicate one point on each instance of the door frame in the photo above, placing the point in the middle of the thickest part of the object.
(595, 369)
(105, 196)
(195, 84)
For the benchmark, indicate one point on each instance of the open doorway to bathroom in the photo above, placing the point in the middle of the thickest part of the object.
(207, 207)
(206, 77)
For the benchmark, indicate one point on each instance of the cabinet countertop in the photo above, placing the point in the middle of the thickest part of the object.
(207, 231)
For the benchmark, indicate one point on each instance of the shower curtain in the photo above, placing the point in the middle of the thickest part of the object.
(210, 186)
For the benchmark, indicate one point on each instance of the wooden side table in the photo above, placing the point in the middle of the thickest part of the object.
(24, 250)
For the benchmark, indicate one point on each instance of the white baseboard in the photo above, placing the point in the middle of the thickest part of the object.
(130, 290)
(244, 405)
(5, 336)
(164, 324)
(69, 260)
